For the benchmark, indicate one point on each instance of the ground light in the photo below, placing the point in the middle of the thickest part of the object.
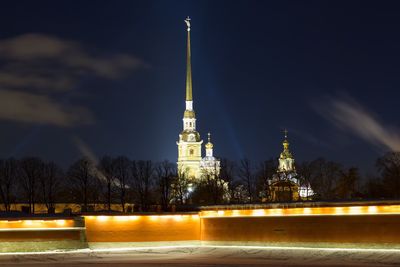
(316, 211)
(127, 218)
(36, 225)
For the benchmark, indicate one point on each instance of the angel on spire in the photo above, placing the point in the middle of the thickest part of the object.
(187, 20)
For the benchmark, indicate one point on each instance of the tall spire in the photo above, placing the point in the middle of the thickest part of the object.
(189, 96)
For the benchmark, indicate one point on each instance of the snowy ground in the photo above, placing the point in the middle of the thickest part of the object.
(206, 256)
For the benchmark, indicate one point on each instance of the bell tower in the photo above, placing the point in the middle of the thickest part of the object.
(286, 160)
(189, 143)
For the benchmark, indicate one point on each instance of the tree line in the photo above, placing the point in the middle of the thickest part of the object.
(120, 180)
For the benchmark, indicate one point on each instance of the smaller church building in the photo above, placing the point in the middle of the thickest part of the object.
(286, 185)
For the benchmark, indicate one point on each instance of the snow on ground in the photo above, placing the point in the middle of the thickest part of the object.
(206, 256)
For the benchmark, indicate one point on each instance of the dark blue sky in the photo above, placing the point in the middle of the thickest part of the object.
(313, 67)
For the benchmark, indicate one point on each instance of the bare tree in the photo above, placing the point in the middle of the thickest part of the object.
(324, 178)
(30, 175)
(247, 176)
(82, 174)
(107, 171)
(123, 176)
(8, 175)
(389, 169)
(374, 187)
(211, 188)
(227, 173)
(50, 182)
(346, 187)
(266, 171)
(305, 173)
(165, 174)
(142, 174)
(181, 187)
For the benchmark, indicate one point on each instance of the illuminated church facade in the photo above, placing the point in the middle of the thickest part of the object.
(190, 161)
(285, 185)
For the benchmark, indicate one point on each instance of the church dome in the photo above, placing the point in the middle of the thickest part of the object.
(209, 145)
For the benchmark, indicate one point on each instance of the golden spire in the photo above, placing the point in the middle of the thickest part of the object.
(188, 64)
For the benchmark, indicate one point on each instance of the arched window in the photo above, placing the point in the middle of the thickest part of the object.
(191, 152)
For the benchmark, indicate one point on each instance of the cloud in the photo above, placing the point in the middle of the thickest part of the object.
(37, 70)
(40, 109)
(37, 80)
(350, 116)
(36, 46)
(47, 50)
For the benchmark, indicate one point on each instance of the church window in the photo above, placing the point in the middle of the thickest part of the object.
(191, 152)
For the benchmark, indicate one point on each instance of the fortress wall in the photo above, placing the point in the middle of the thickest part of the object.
(40, 234)
(310, 226)
(143, 228)
(303, 229)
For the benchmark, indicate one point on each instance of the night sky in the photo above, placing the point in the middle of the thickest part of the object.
(108, 77)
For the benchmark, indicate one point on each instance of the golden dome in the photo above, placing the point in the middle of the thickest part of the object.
(286, 152)
(209, 145)
(285, 144)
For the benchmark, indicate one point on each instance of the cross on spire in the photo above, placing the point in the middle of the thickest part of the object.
(285, 132)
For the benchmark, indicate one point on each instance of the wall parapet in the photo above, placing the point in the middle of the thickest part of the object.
(302, 204)
(341, 223)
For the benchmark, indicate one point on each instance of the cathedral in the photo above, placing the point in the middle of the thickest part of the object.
(285, 185)
(190, 161)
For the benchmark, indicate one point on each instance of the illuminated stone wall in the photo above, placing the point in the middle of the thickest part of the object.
(329, 229)
(144, 228)
(351, 224)
(368, 224)
(38, 234)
